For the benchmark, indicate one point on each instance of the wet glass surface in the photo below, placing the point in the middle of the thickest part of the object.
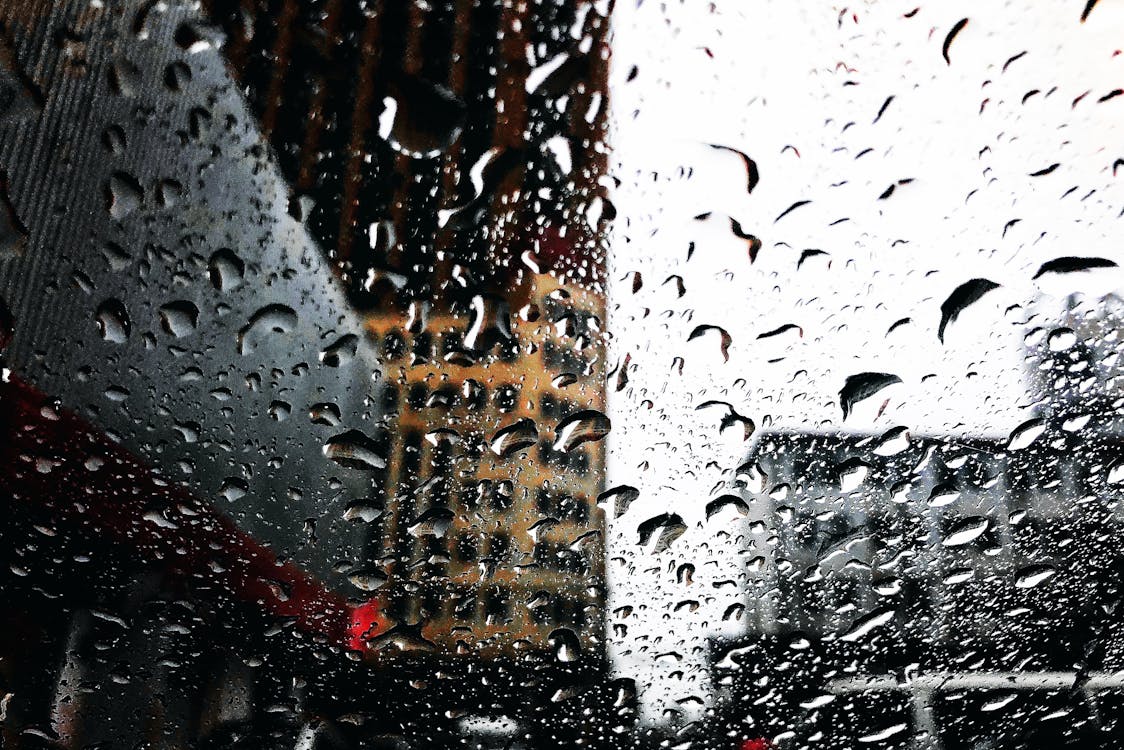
(560, 373)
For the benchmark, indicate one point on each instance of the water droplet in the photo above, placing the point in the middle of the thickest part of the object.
(567, 647)
(966, 530)
(999, 702)
(340, 352)
(958, 575)
(326, 413)
(271, 319)
(113, 321)
(817, 702)
(434, 522)
(950, 36)
(443, 436)
(1071, 264)
(887, 586)
(362, 510)
(862, 386)
(116, 393)
(177, 75)
(421, 118)
(403, 638)
(943, 494)
(621, 496)
(724, 338)
(516, 436)
(581, 427)
(884, 734)
(716, 506)
(1074, 424)
(1061, 339)
(114, 139)
(493, 169)
(964, 295)
(852, 474)
(226, 270)
(892, 442)
(188, 430)
(867, 623)
(116, 257)
(1025, 434)
(168, 193)
(564, 379)
(191, 40)
(234, 488)
(1116, 474)
(179, 318)
(279, 411)
(731, 419)
(367, 579)
(1032, 575)
(354, 450)
(123, 195)
(490, 324)
(752, 477)
(661, 530)
(199, 122)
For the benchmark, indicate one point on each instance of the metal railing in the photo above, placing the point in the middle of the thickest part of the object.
(923, 689)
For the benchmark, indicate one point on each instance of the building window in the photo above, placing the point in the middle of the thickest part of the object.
(473, 493)
(573, 509)
(393, 346)
(467, 549)
(497, 604)
(544, 502)
(452, 342)
(499, 546)
(417, 396)
(475, 394)
(506, 398)
(422, 347)
(445, 397)
(546, 554)
(389, 397)
(501, 495)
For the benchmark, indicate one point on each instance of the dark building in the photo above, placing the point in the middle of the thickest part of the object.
(171, 281)
(430, 144)
(450, 157)
(980, 569)
(942, 591)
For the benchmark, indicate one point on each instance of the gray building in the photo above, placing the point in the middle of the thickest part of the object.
(927, 579)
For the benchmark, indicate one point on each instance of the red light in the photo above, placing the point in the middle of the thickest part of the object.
(365, 625)
(758, 743)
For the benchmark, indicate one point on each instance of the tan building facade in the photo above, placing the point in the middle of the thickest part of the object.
(491, 534)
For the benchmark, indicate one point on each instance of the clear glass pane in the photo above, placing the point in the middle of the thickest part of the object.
(559, 373)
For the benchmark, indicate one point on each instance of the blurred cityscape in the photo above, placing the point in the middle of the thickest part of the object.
(447, 161)
(449, 177)
(304, 315)
(904, 587)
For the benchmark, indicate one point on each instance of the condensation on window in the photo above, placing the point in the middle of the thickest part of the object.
(560, 373)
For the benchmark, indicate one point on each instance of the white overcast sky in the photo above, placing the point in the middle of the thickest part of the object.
(761, 75)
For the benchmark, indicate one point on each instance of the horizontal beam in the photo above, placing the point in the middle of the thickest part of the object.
(944, 681)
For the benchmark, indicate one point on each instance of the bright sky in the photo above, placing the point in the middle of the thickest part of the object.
(768, 77)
